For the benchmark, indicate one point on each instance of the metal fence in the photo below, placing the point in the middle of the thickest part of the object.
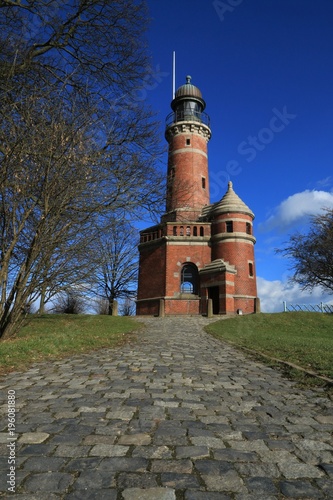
(323, 308)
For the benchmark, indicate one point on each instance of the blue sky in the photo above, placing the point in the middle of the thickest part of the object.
(265, 69)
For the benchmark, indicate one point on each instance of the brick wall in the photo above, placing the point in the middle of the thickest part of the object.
(188, 183)
(152, 270)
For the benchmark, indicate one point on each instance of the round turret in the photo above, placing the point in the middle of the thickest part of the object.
(231, 202)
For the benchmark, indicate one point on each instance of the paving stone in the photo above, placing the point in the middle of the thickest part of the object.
(45, 464)
(299, 489)
(122, 464)
(133, 480)
(179, 466)
(202, 495)
(230, 455)
(149, 494)
(94, 479)
(37, 450)
(179, 481)
(194, 452)
(152, 452)
(261, 486)
(108, 450)
(64, 450)
(50, 481)
(211, 442)
(101, 494)
(294, 470)
(33, 437)
(135, 439)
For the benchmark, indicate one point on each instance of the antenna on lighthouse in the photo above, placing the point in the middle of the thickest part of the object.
(173, 74)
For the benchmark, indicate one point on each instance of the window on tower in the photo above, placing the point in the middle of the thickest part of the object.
(188, 142)
(248, 228)
(229, 226)
(251, 269)
(203, 182)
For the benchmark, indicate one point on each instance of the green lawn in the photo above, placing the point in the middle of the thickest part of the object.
(302, 338)
(53, 336)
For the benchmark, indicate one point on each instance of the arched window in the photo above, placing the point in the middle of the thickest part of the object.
(201, 231)
(195, 231)
(188, 231)
(189, 279)
(175, 230)
(181, 231)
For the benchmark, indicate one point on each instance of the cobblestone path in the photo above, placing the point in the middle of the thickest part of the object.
(174, 415)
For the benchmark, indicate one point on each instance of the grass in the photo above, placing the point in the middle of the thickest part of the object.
(51, 336)
(301, 338)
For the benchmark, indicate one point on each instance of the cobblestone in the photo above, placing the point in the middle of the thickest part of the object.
(175, 415)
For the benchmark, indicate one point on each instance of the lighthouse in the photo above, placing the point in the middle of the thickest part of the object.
(200, 257)
(187, 132)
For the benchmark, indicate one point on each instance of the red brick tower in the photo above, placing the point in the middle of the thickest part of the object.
(187, 132)
(198, 251)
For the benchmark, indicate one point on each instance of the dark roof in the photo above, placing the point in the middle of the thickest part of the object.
(188, 90)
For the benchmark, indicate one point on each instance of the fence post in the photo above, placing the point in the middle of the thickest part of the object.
(284, 306)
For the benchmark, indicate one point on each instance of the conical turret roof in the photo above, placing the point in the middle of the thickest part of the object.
(231, 202)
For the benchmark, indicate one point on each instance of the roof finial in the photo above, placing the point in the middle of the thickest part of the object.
(229, 185)
(188, 79)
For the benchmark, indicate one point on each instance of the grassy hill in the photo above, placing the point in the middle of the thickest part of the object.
(302, 338)
(53, 336)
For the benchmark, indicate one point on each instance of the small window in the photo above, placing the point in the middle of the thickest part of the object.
(188, 142)
(203, 182)
(181, 231)
(175, 230)
(202, 231)
(248, 228)
(195, 231)
(250, 269)
(188, 231)
(229, 227)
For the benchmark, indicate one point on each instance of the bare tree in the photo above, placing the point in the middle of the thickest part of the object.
(128, 307)
(312, 253)
(75, 141)
(69, 302)
(116, 264)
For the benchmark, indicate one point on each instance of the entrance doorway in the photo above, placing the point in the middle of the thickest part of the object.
(214, 294)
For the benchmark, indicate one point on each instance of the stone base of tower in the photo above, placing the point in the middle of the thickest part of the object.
(168, 306)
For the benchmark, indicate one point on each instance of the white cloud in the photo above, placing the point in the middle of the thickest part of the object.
(273, 293)
(327, 181)
(296, 208)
